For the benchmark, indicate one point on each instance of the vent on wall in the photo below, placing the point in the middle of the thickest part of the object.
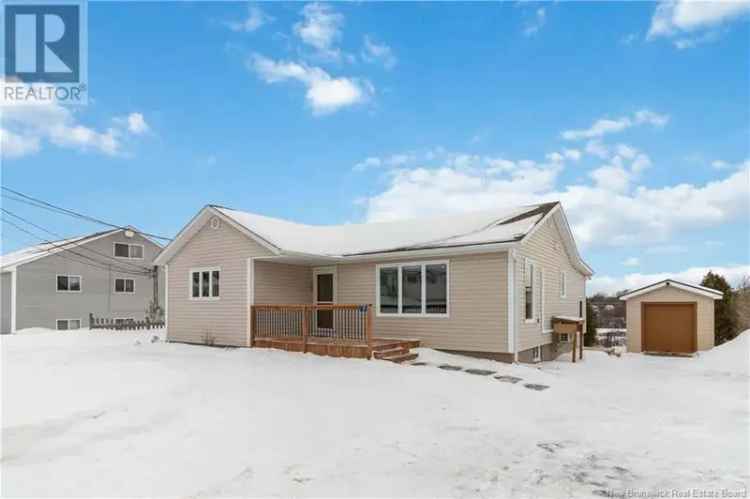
(215, 222)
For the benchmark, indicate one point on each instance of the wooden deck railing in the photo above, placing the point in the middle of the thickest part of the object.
(339, 323)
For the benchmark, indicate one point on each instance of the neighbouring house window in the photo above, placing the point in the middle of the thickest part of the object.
(123, 320)
(124, 285)
(69, 283)
(204, 283)
(413, 289)
(528, 277)
(563, 284)
(66, 324)
(125, 250)
(536, 354)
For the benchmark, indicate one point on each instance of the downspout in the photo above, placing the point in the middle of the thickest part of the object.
(511, 278)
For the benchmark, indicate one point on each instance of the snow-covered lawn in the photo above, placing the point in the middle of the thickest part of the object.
(112, 414)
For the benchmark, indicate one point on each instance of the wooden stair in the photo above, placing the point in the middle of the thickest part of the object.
(397, 351)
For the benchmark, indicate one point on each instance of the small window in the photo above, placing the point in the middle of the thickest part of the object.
(120, 321)
(563, 284)
(68, 324)
(564, 338)
(69, 283)
(124, 285)
(204, 284)
(530, 312)
(125, 250)
(536, 354)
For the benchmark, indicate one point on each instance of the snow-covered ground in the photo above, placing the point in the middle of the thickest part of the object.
(113, 414)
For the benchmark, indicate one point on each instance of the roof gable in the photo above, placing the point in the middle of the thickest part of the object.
(690, 288)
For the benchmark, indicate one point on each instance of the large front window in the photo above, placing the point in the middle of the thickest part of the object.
(419, 288)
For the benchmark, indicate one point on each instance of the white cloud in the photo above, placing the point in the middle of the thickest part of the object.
(606, 126)
(325, 94)
(693, 275)
(680, 16)
(14, 146)
(558, 157)
(378, 52)
(607, 213)
(719, 164)
(137, 124)
(631, 262)
(596, 148)
(321, 29)
(533, 26)
(254, 20)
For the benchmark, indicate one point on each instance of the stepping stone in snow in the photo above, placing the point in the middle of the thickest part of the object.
(534, 386)
(449, 367)
(419, 364)
(508, 379)
(480, 372)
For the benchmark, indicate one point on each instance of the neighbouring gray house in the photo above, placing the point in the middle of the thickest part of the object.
(56, 285)
(490, 284)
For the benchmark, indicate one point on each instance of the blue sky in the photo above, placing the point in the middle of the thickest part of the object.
(636, 115)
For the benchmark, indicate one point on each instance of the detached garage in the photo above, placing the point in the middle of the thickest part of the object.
(670, 317)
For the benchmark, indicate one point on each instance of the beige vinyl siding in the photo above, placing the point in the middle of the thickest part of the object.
(545, 247)
(278, 283)
(478, 302)
(670, 294)
(226, 318)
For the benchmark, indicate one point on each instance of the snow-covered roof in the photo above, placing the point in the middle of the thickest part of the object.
(357, 239)
(365, 240)
(690, 288)
(29, 254)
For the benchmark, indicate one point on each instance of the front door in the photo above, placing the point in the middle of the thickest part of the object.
(325, 281)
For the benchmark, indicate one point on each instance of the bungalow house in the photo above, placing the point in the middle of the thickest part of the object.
(58, 284)
(487, 284)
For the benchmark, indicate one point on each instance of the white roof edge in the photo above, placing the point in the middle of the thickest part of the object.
(690, 288)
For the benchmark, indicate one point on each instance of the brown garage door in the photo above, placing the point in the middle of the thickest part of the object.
(669, 327)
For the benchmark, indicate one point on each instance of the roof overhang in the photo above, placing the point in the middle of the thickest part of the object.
(557, 214)
(690, 288)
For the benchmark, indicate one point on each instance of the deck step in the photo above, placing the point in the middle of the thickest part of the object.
(400, 357)
(399, 350)
(387, 344)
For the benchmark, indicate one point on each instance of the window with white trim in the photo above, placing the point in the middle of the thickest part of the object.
(204, 284)
(69, 283)
(529, 291)
(419, 288)
(563, 337)
(536, 354)
(124, 285)
(563, 284)
(67, 324)
(127, 250)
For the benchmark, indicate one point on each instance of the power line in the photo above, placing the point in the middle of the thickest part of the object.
(58, 209)
(119, 262)
(63, 249)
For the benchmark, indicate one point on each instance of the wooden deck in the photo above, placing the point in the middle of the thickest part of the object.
(332, 330)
